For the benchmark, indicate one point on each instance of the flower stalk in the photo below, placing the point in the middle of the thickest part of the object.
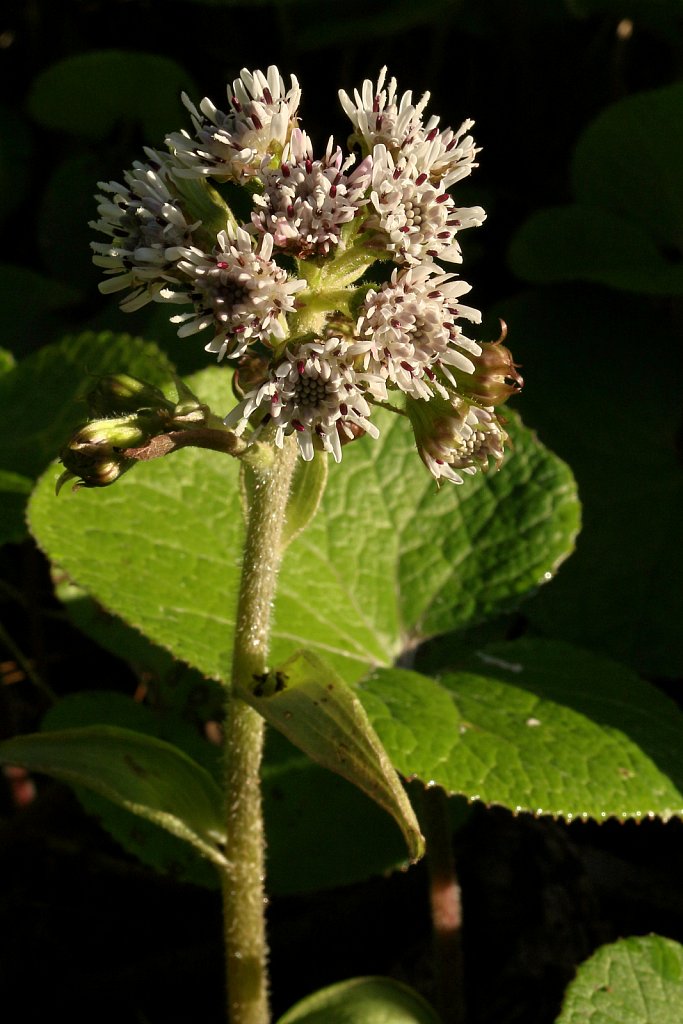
(244, 899)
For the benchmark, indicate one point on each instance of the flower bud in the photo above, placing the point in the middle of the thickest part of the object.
(119, 393)
(455, 435)
(495, 375)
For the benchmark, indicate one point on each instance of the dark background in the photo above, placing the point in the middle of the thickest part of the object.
(84, 929)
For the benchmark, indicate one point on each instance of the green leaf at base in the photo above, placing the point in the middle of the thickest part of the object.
(535, 726)
(633, 981)
(362, 1001)
(147, 776)
(309, 702)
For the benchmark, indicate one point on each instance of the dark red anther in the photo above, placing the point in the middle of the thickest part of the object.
(308, 164)
(434, 295)
(222, 265)
(343, 408)
(451, 144)
(429, 373)
(421, 178)
(333, 192)
(439, 462)
(432, 135)
(396, 324)
(290, 210)
(301, 366)
(298, 425)
(235, 104)
(286, 170)
(274, 399)
(239, 329)
(256, 123)
(397, 174)
(443, 198)
(444, 234)
(408, 367)
(375, 105)
(405, 229)
(267, 95)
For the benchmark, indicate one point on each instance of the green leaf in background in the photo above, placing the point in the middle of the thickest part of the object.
(29, 302)
(622, 591)
(14, 492)
(362, 1001)
(623, 231)
(149, 842)
(40, 399)
(535, 726)
(590, 243)
(387, 560)
(67, 206)
(149, 777)
(322, 831)
(15, 160)
(315, 709)
(92, 93)
(638, 980)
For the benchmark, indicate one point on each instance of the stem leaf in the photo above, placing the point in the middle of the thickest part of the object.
(147, 776)
(315, 709)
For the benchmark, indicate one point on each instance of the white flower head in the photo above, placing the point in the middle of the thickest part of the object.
(260, 118)
(380, 117)
(418, 221)
(143, 219)
(305, 202)
(316, 393)
(408, 330)
(455, 437)
(239, 291)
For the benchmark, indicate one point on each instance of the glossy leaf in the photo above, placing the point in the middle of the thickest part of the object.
(149, 777)
(362, 1001)
(388, 558)
(314, 708)
(638, 980)
(535, 726)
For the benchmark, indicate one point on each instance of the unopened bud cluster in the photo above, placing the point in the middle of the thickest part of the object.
(127, 414)
(289, 293)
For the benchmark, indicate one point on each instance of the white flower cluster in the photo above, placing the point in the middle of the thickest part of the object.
(290, 288)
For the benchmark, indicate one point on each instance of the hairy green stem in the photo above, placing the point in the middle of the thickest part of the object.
(244, 900)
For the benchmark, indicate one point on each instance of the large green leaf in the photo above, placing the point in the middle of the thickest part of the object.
(40, 400)
(535, 726)
(91, 93)
(149, 777)
(362, 1001)
(622, 591)
(387, 560)
(638, 980)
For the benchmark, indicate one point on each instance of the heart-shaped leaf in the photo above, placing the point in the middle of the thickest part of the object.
(535, 726)
(387, 560)
(638, 980)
